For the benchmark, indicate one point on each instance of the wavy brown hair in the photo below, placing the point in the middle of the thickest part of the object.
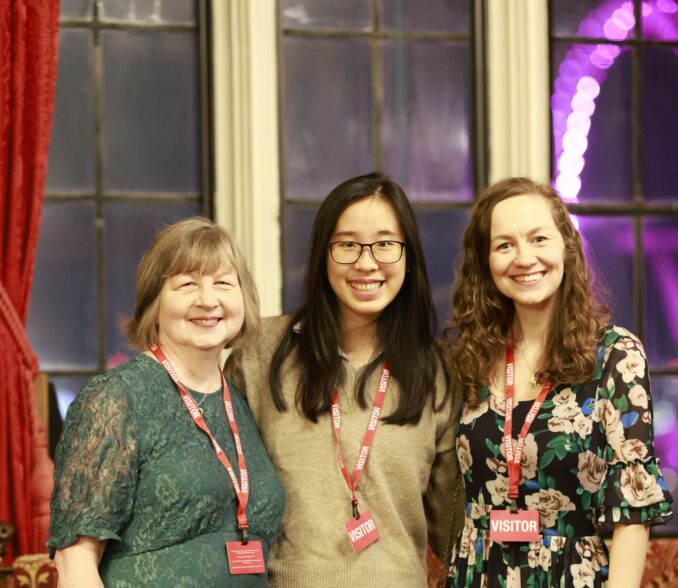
(479, 330)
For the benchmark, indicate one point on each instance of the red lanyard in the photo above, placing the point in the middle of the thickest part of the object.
(242, 489)
(513, 461)
(367, 439)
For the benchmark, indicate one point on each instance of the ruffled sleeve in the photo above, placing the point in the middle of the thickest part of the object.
(95, 466)
(634, 490)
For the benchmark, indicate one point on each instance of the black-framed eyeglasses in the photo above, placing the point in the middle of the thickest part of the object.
(382, 251)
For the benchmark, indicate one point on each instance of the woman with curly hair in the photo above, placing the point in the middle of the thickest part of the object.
(530, 344)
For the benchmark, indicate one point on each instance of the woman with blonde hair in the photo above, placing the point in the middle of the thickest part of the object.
(161, 477)
(529, 343)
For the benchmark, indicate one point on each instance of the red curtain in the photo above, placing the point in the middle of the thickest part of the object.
(28, 59)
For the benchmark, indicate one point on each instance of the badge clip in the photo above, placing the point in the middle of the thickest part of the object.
(244, 538)
(356, 512)
(513, 507)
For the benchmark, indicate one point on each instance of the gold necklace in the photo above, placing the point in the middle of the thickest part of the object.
(533, 372)
(197, 404)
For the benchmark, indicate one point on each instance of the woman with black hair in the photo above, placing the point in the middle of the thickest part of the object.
(355, 377)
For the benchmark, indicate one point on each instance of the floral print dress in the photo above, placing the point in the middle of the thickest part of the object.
(588, 461)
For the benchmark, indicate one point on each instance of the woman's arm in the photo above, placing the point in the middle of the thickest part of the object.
(627, 555)
(78, 564)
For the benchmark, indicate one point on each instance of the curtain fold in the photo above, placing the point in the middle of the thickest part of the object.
(28, 60)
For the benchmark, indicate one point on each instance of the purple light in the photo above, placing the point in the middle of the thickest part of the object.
(574, 142)
(667, 6)
(623, 17)
(613, 31)
(568, 186)
(584, 70)
(608, 51)
(578, 121)
(588, 86)
(584, 104)
(570, 164)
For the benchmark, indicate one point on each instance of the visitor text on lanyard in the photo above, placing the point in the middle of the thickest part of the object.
(361, 529)
(515, 525)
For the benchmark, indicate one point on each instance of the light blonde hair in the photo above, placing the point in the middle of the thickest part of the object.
(192, 246)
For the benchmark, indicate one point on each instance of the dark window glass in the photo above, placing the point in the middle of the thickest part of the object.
(660, 123)
(150, 119)
(151, 11)
(72, 148)
(610, 245)
(327, 109)
(297, 225)
(426, 130)
(326, 14)
(452, 16)
(660, 248)
(62, 323)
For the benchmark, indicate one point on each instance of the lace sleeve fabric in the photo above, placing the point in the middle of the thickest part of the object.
(634, 491)
(95, 466)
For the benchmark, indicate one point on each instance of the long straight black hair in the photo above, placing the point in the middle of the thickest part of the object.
(406, 328)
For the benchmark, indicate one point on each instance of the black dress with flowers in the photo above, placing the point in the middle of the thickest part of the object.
(588, 461)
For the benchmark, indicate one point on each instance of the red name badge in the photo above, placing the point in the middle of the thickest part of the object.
(506, 526)
(245, 558)
(362, 531)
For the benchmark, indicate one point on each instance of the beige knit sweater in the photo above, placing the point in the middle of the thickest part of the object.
(410, 478)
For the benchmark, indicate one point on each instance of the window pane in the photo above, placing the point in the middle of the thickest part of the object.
(71, 157)
(326, 14)
(296, 236)
(591, 123)
(440, 232)
(611, 245)
(76, 9)
(62, 322)
(665, 404)
(327, 110)
(151, 118)
(660, 20)
(130, 228)
(660, 123)
(66, 388)
(426, 119)
(452, 16)
(151, 11)
(660, 247)
(601, 19)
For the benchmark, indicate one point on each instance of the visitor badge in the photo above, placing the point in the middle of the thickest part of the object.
(362, 531)
(245, 558)
(506, 526)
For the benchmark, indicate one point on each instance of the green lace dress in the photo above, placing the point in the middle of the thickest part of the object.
(132, 468)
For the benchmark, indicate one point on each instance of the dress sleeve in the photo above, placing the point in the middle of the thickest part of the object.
(634, 491)
(444, 499)
(96, 466)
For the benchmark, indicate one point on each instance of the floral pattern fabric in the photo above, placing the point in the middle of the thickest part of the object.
(133, 468)
(588, 461)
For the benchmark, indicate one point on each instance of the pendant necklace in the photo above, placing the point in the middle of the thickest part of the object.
(197, 404)
(533, 373)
